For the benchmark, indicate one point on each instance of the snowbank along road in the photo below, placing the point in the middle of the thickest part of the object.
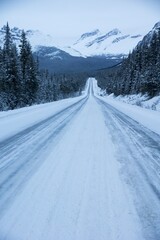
(86, 172)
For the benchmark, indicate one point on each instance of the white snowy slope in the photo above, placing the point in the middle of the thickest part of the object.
(87, 171)
(112, 43)
(137, 99)
(142, 114)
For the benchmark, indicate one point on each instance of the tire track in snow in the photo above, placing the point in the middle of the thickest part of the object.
(138, 151)
(22, 154)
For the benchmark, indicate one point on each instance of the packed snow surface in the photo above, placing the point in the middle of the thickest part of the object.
(79, 169)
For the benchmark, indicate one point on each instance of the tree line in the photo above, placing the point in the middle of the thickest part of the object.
(22, 83)
(138, 73)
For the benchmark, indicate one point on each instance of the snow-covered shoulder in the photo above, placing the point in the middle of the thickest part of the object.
(15, 121)
(147, 117)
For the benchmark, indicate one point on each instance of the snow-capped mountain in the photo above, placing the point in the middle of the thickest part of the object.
(35, 37)
(112, 43)
(93, 50)
(37, 40)
(58, 59)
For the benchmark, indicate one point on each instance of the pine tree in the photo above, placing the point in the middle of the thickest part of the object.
(29, 71)
(8, 77)
(2, 77)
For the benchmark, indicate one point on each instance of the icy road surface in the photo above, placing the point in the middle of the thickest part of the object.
(85, 172)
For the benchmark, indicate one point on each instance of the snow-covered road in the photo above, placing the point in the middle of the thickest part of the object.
(85, 172)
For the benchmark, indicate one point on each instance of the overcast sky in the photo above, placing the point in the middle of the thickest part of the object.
(68, 19)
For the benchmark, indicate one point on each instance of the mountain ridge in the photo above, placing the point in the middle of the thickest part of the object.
(93, 50)
(113, 42)
(94, 43)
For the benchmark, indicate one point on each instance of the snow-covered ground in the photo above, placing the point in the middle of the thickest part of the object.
(78, 169)
(12, 122)
(135, 106)
(139, 100)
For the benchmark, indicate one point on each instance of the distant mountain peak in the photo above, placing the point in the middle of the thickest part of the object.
(90, 34)
(115, 31)
(91, 43)
(86, 35)
(35, 37)
(157, 25)
(112, 42)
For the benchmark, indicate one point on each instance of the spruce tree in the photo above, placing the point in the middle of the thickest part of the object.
(29, 71)
(8, 77)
